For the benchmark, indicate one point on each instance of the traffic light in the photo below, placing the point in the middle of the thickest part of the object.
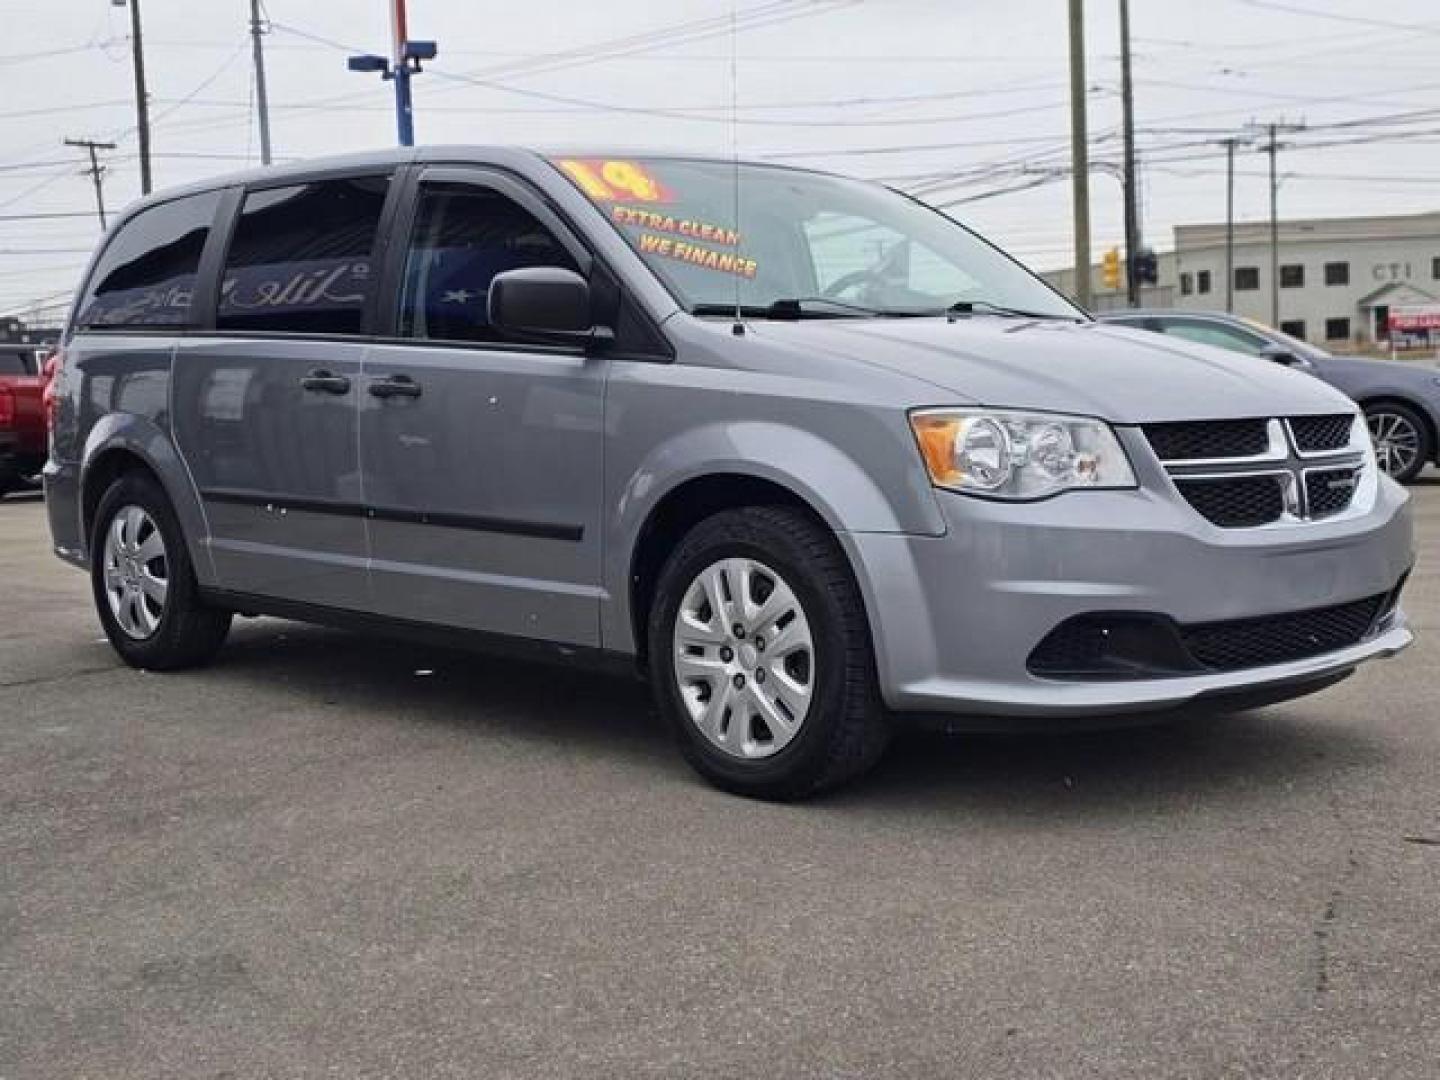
(1147, 267)
(1110, 269)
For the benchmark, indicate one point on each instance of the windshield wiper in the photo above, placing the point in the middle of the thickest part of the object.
(805, 307)
(970, 307)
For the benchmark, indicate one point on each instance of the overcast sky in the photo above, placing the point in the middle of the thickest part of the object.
(953, 98)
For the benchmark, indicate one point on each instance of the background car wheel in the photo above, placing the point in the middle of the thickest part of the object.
(145, 588)
(760, 656)
(1402, 439)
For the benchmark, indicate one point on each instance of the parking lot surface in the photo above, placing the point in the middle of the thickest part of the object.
(331, 855)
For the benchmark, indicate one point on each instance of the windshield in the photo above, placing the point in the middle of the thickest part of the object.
(801, 236)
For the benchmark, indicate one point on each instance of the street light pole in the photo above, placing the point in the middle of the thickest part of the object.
(404, 107)
(404, 63)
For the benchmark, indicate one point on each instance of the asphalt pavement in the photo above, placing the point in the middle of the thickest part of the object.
(334, 855)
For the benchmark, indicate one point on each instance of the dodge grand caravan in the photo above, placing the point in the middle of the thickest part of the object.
(809, 453)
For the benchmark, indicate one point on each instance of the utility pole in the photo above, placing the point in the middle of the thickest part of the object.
(1230, 225)
(1132, 204)
(96, 171)
(262, 101)
(1079, 154)
(1272, 147)
(142, 104)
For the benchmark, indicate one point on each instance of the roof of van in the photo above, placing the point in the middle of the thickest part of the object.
(405, 155)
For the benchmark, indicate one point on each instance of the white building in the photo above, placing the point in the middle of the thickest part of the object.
(1339, 277)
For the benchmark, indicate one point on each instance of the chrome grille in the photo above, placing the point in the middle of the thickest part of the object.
(1242, 474)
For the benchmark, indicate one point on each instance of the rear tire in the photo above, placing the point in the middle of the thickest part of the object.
(1402, 439)
(782, 719)
(146, 593)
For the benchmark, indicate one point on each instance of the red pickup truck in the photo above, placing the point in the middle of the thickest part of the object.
(22, 415)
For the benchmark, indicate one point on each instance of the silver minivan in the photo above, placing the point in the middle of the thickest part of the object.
(809, 453)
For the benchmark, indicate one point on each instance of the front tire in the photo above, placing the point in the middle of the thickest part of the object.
(760, 656)
(145, 589)
(1402, 439)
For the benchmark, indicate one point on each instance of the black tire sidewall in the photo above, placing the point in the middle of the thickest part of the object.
(806, 756)
(1412, 415)
(171, 645)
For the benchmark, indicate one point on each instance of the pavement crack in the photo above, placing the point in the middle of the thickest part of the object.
(41, 680)
(1324, 931)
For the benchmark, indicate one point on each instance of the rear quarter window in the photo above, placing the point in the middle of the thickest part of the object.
(146, 275)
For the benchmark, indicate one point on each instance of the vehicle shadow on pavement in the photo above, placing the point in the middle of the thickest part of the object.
(1168, 767)
(1163, 768)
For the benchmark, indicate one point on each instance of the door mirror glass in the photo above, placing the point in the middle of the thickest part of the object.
(542, 303)
(1281, 355)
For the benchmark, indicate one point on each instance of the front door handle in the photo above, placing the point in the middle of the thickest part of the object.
(395, 386)
(325, 382)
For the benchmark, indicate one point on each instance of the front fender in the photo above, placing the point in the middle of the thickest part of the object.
(831, 482)
(129, 433)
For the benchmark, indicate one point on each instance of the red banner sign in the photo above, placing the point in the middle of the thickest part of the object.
(1414, 320)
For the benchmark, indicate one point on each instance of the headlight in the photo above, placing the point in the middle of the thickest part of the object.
(1014, 455)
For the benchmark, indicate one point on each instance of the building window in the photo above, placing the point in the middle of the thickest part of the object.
(1435, 268)
(1294, 327)
(1292, 276)
(1247, 278)
(1187, 284)
(1202, 282)
(1337, 273)
(1337, 329)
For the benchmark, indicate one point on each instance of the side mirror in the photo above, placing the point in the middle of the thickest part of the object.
(544, 303)
(1281, 355)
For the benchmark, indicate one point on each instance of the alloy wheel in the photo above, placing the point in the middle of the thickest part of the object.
(137, 572)
(1397, 441)
(744, 658)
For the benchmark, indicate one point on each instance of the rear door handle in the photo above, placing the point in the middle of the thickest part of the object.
(395, 386)
(325, 382)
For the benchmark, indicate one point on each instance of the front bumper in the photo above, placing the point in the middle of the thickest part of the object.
(955, 617)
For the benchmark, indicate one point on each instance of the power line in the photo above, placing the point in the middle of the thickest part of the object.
(1296, 9)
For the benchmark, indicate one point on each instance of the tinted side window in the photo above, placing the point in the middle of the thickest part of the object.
(13, 364)
(300, 259)
(146, 276)
(464, 235)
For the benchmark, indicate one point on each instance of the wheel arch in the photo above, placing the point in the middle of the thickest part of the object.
(122, 442)
(679, 510)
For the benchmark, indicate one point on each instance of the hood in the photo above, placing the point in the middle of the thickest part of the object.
(1121, 375)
